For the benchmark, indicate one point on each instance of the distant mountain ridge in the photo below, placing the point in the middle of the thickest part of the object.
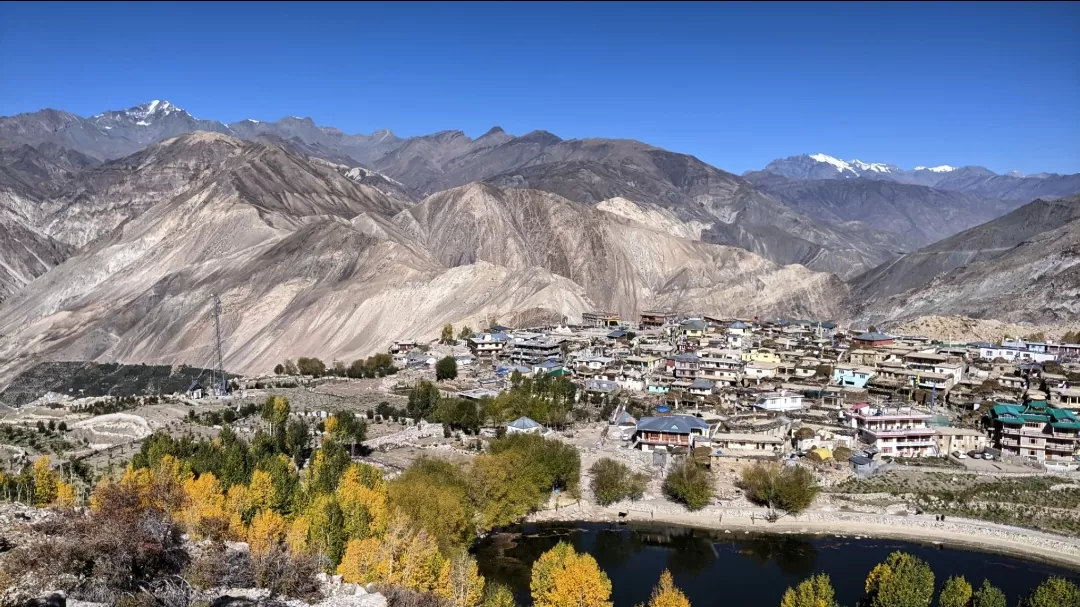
(973, 180)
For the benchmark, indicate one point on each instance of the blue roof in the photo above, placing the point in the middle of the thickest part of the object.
(616, 334)
(738, 324)
(701, 384)
(673, 424)
(687, 357)
(524, 423)
(663, 409)
(549, 364)
(694, 324)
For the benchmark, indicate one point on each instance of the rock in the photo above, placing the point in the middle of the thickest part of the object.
(348, 589)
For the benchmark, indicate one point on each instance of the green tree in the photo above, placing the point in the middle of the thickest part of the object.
(563, 578)
(902, 580)
(311, 366)
(500, 488)
(815, 591)
(434, 495)
(423, 399)
(446, 368)
(290, 368)
(279, 369)
(955, 593)
(447, 336)
(465, 333)
(988, 595)
(689, 484)
(350, 429)
(790, 488)
(1054, 592)
(612, 481)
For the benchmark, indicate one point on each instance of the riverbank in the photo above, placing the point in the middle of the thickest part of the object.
(955, 532)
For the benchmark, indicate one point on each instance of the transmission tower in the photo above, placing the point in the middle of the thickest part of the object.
(219, 368)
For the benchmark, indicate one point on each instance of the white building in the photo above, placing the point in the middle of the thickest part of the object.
(779, 402)
(896, 431)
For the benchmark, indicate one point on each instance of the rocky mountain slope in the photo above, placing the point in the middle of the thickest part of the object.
(737, 214)
(308, 261)
(1021, 267)
(915, 215)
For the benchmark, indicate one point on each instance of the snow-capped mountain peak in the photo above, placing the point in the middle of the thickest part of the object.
(938, 169)
(840, 165)
(874, 167)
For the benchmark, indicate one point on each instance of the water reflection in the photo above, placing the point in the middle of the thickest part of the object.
(753, 569)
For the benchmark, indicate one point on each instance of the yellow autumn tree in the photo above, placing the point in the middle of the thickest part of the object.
(563, 578)
(666, 594)
(238, 508)
(365, 561)
(44, 482)
(65, 495)
(261, 493)
(267, 530)
(420, 564)
(815, 591)
(204, 509)
(364, 508)
(296, 538)
(330, 425)
(460, 582)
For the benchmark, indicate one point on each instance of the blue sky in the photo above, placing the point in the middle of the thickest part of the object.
(735, 85)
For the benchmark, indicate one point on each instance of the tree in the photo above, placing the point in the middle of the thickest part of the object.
(446, 368)
(267, 531)
(1036, 337)
(279, 369)
(497, 488)
(290, 368)
(873, 329)
(460, 582)
(1054, 592)
(45, 482)
(465, 333)
(841, 454)
(666, 594)
(498, 595)
(422, 400)
(447, 336)
(311, 366)
(902, 580)
(65, 495)
(815, 591)
(348, 428)
(563, 578)
(612, 481)
(690, 485)
(988, 595)
(433, 495)
(790, 488)
(955, 593)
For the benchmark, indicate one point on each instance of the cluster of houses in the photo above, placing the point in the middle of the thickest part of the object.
(879, 390)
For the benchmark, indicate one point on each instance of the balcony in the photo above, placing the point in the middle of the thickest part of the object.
(900, 432)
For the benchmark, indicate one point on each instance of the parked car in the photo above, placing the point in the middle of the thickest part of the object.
(988, 456)
(958, 455)
(974, 454)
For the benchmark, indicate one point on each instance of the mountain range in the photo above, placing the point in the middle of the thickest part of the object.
(118, 230)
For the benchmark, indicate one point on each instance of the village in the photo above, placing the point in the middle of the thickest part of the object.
(769, 389)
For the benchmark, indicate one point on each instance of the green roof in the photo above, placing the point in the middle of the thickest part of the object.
(1034, 411)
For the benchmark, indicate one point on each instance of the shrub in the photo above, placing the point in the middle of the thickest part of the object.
(446, 368)
(612, 481)
(790, 488)
(690, 485)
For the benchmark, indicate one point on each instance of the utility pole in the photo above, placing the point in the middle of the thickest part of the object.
(219, 370)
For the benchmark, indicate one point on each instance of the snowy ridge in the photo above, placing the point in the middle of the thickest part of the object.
(875, 167)
(939, 169)
(840, 165)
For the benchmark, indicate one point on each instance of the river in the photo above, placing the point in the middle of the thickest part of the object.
(737, 569)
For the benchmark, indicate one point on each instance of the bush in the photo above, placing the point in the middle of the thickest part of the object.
(689, 484)
(791, 488)
(612, 481)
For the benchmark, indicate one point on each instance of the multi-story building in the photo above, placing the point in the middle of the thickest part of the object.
(1064, 398)
(600, 319)
(899, 431)
(719, 367)
(760, 355)
(670, 432)
(535, 350)
(686, 365)
(657, 318)
(851, 375)
(1035, 430)
(950, 440)
(488, 344)
(924, 361)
